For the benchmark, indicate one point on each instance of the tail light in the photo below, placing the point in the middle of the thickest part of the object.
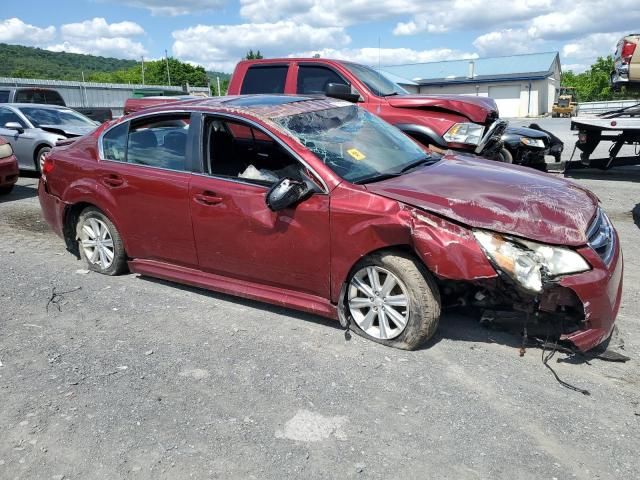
(627, 52)
(48, 165)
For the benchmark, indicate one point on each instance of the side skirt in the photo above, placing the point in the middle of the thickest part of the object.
(240, 288)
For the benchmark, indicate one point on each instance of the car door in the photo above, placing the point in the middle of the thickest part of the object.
(313, 79)
(144, 172)
(235, 232)
(22, 142)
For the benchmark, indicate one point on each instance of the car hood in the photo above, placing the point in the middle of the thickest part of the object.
(68, 130)
(503, 198)
(525, 132)
(475, 109)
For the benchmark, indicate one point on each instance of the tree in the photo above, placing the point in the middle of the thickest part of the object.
(593, 84)
(253, 56)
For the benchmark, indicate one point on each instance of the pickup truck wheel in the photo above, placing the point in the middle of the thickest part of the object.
(100, 243)
(392, 299)
(40, 154)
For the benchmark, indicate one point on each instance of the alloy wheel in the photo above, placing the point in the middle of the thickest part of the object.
(97, 242)
(378, 302)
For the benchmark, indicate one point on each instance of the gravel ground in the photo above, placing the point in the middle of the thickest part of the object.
(129, 377)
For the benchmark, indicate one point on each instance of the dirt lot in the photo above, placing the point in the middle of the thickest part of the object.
(130, 377)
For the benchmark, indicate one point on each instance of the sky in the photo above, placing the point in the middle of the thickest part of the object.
(218, 33)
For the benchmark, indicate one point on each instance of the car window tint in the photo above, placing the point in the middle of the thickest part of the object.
(4, 96)
(30, 96)
(7, 116)
(314, 79)
(54, 98)
(114, 143)
(237, 150)
(265, 80)
(160, 142)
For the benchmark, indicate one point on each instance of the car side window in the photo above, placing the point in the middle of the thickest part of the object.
(238, 150)
(4, 96)
(314, 79)
(269, 79)
(114, 143)
(7, 116)
(159, 141)
(30, 96)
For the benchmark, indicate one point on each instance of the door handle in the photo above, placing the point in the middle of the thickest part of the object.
(207, 198)
(112, 180)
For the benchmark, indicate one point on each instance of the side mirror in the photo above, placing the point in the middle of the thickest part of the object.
(341, 91)
(14, 126)
(286, 193)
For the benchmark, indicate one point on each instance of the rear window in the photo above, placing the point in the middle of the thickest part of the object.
(4, 96)
(47, 97)
(265, 79)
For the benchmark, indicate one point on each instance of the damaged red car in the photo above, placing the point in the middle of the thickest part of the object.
(318, 205)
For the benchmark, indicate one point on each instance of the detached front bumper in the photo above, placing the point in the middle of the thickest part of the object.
(8, 171)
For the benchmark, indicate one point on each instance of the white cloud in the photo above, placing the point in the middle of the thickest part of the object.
(326, 12)
(176, 7)
(105, 47)
(14, 30)
(99, 28)
(507, 42)
(387, 56)
(221, 46)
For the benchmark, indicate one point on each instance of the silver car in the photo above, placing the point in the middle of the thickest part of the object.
(33, 130)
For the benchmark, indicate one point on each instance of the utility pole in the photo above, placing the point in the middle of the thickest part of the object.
(166, 56)
(142, 69)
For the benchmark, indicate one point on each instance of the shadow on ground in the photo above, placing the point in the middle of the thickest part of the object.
(20, 192)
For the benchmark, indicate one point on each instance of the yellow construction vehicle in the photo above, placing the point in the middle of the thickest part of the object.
(566, 103)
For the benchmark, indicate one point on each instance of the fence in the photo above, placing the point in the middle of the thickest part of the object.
(93, 95)
(593, 108)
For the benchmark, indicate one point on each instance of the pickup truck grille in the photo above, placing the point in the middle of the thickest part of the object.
(601, 237)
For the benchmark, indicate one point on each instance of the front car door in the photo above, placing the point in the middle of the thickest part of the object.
(22, 142)
(144, 170)
(235, 232)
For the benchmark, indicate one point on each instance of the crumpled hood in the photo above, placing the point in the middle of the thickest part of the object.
(504, 198)
(526, 132)
(475, 109)
(68, 130)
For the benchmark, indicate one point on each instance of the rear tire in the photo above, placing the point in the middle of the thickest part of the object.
(403, 316)
(100, 243)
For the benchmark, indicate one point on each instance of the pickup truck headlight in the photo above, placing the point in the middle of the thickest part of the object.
(525, 261)
(532, 142)
(470, 133)
(5, 151)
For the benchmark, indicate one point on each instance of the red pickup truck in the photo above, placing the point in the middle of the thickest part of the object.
(456, 122)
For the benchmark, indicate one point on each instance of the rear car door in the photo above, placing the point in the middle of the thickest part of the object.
(144, 169)
(236, 234)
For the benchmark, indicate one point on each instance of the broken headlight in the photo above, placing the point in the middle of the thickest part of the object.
(525, 261)
(470, 133)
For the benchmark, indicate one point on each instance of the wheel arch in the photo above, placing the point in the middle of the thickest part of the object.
(36, 150)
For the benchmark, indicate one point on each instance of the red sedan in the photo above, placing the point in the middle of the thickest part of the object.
(8, 168)
(318, 205)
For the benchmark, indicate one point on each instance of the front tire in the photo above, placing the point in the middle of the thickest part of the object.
(100, 243)
(505, 156)
(40, 154)
(392, 299)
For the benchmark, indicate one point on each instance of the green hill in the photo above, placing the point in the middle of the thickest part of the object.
(29, 62)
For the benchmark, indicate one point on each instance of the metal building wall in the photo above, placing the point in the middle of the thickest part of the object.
(93, 95)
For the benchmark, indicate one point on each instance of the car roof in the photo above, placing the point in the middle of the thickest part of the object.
(43, 106)
(265, 106)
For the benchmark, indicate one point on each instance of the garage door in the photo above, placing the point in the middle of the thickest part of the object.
(508, 99)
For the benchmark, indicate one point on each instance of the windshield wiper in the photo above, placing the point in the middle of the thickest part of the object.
(377, 178)
(392, 94)
(419, 163)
